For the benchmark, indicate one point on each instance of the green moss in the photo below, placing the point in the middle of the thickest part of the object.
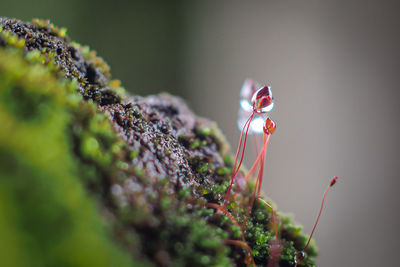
(46, 217)
(195, 144)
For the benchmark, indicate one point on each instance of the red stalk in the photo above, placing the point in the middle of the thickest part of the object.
(301, 254)
(331, 183)
(237, 168)
(257, 188)
(259, 157)
(227, 213)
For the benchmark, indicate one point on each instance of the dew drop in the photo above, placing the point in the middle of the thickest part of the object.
(301, 256)
(262, 100)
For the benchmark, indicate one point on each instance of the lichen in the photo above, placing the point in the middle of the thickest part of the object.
(127, 178)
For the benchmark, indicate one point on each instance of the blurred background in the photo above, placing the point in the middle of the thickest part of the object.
(334, 71)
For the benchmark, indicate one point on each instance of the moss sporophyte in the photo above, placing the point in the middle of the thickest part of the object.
(256, 103)
(140, 180)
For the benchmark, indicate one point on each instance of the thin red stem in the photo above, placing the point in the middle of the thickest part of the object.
(260, 176)
(255, 143)
(227, 213)
(331, 183)
(251, 205)
(244, 144)
(236, 159)
(257, 187)
(235, 166)
(260, 155)
(240, 144)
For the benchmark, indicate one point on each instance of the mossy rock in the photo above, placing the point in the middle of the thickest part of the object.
(92, 176)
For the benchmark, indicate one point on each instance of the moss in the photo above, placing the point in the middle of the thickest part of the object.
(43, 203)
(83, 164)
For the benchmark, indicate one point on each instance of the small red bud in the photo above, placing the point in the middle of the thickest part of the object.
(333, 181)
(269, 126)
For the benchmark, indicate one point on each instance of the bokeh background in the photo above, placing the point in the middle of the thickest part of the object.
(334, 70)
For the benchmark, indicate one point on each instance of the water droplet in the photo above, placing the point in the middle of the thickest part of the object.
(262, 100)
(301, 255)
(259, 98)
